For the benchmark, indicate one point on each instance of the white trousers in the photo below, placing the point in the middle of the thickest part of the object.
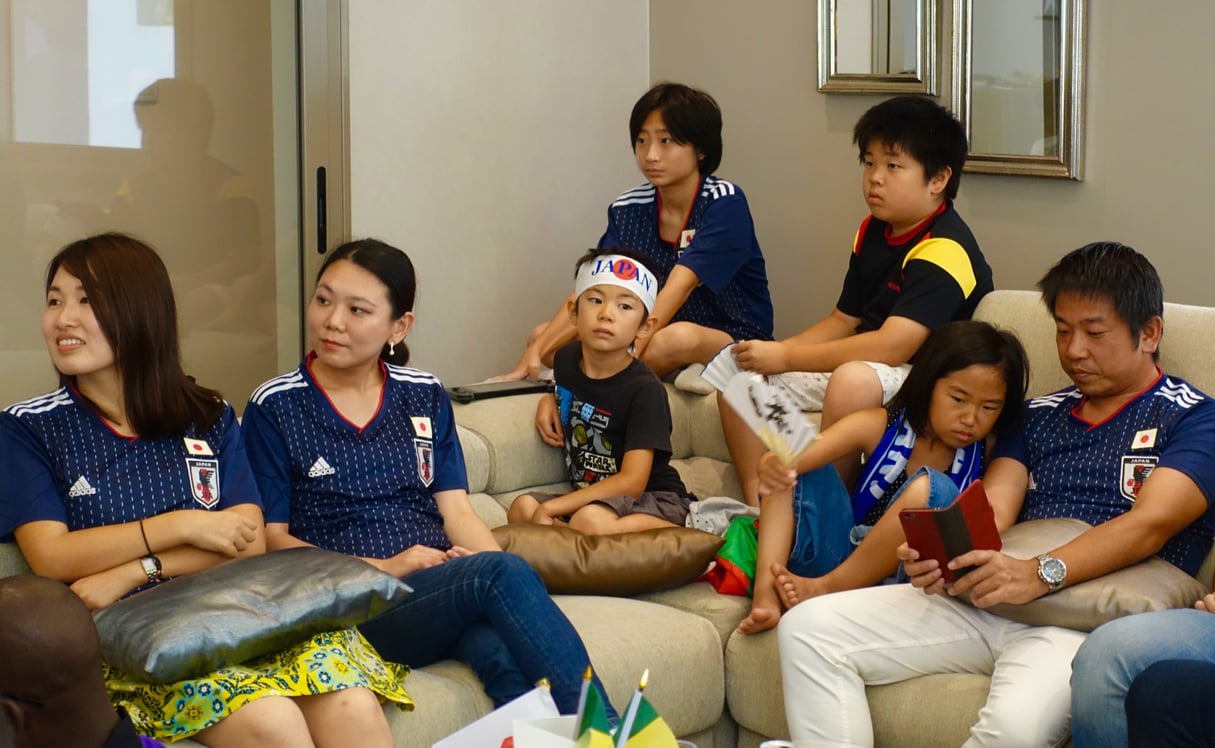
(831, 647)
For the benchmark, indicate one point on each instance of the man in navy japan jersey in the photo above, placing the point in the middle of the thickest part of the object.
(1127, 449)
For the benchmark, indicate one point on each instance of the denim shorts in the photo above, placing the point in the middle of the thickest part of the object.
(824, 533)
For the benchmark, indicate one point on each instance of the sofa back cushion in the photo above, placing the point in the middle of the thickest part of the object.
(504, 453)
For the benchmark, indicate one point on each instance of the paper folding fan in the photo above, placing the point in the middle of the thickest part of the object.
(772, 414)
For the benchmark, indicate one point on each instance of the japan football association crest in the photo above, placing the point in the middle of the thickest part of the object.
(204, 481)
(425, 451)
(1135, 470)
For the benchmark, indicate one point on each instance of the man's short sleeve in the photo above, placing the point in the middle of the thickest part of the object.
(1014, 446)
(1190, 446)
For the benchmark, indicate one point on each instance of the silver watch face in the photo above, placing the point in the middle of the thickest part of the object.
(1052, 570)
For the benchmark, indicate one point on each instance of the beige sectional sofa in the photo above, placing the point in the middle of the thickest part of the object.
(713, 686)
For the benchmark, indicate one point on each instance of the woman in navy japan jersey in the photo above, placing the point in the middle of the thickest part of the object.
(695, 232)
(130, 473)
(356, 453)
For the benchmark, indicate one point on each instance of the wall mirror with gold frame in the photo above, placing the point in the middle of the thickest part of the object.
(877, 46)
(1018, 85)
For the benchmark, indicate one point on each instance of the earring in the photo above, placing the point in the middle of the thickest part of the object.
(392, 348)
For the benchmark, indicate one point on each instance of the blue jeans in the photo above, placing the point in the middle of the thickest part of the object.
(822, 515)
(1115, 654)
(491, 611)
(1169, 706)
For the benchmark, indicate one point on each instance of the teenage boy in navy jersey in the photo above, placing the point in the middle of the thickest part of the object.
(693, 229)
(610, 411)
(915, 266)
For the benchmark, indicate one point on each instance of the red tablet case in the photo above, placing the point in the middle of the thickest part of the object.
(967, 524)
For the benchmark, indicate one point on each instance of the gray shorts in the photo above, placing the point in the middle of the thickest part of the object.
(666, 505)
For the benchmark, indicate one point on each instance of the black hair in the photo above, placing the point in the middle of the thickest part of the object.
(1112, 272)
(921, 128)
(956, 346)
(391, 267)
(632, 254)
(692, 118)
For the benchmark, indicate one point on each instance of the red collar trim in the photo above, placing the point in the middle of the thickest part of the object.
(904, 237)
(687, 216)
(378, 406)
(109, 427)
(1112, 416)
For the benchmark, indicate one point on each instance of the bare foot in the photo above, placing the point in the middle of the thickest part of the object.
(793, 589)
(760, 619)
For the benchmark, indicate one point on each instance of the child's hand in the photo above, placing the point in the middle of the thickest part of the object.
(774, 475)
(548, 422)
(761, 356)
(1207, 603)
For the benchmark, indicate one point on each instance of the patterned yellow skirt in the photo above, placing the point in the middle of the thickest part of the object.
(326, 662)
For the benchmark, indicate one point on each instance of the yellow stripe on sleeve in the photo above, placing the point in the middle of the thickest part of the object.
(950, 257)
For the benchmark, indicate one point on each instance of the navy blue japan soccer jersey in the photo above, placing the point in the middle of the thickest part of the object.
(1093, 472)
(364, 491)
(717, 243)
(65, 464)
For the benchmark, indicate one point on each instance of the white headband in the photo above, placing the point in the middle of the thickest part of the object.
(617, 270)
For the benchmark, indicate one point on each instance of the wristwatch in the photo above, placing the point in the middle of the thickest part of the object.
(1052, 571)
(151, 567)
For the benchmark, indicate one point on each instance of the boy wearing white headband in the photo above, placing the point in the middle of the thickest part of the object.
(609, 411)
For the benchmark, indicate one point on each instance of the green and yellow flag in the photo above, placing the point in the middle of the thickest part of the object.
(593, 729)
(648, 730)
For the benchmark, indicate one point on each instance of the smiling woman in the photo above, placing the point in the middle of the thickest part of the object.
(131, 473)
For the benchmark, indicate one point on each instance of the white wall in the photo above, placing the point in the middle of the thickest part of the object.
(448, 97)
(487, 139)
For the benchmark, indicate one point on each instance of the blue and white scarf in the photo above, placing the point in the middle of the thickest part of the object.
(888, 462)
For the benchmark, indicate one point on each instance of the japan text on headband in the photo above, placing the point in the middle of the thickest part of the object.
(616, 270)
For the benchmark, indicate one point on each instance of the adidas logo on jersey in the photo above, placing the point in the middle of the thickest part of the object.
(81, 488)
(320, 468)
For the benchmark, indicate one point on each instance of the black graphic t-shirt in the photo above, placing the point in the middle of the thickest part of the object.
(604, 418)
